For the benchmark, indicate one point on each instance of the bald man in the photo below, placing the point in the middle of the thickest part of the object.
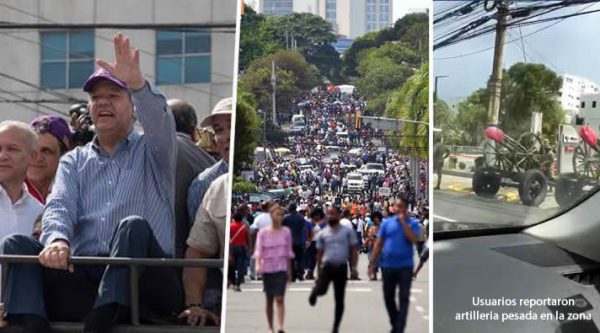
(18, 148)
(191, 161)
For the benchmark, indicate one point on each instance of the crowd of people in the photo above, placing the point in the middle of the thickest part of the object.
(126, 179)
(330, 175)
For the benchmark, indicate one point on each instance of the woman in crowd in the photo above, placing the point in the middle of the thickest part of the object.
(273, 256)
(370, 240)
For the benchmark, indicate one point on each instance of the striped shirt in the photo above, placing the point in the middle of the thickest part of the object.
(94, 191)
(201, 184)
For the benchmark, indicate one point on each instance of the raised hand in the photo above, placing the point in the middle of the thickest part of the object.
(127, 63)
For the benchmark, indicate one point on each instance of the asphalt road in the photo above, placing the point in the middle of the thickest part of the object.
(451, 206)
(364, 311)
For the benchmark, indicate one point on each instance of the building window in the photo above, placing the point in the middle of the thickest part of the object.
(582, 105)
(183, 57)
(67, 58)
(331, 11)
(593, 104)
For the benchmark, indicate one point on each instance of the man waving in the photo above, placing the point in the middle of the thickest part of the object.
(112, 197)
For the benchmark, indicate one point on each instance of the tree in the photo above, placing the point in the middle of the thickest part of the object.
(255, 40)
(411, 102)
(240, 185)
(379, 75)
(247, 125)
(471, 118)
(313, 37)
(293, 74)
(530, 88)
(412, 29)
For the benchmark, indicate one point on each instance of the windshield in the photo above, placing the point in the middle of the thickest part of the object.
(374, 166)
(355, 177)
(515, 140)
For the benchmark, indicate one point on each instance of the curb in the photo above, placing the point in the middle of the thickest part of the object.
(504, 195)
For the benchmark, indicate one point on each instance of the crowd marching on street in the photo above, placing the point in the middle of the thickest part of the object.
(330, 174)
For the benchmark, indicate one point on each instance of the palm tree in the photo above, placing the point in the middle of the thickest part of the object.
(411, 102)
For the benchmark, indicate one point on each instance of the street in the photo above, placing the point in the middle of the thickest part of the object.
(455, 202)
(364, 311)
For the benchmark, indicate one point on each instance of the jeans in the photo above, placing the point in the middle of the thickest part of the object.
(65, 296)
(400, 278)
(239, 259)
(311, 257)
(420, 245)
(298, 262)
(337, 275)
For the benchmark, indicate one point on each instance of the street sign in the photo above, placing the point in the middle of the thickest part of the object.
(385, 191)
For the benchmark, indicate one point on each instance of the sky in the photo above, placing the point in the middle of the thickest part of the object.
(401, 7)
(571, 46)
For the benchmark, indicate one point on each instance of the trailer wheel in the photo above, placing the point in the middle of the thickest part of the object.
(533, 188)
(568, 189)
(486, 182)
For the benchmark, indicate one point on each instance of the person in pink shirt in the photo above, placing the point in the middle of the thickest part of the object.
(273, 254)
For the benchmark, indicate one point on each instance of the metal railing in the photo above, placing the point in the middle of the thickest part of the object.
(133, 263)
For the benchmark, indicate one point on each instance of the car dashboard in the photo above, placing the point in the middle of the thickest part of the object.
(557, 261)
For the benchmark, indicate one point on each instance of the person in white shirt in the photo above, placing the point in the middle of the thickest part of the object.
(19, 209)
(18, 148)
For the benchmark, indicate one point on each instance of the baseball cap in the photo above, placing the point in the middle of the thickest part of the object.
(102, 74)
(224, 107)
(54, 125)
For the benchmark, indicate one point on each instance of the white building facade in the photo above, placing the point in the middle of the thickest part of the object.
(195, 65)
(349, 18)
(573, 87)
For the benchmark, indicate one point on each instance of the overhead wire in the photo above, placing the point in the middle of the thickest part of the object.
(106, 39)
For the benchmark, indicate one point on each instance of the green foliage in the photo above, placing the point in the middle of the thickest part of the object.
(412, 29)
(410, 102)
(472, 118)
(255, 39)
(382, 70)
(240, 185)
(313, 37)
(293, 75)
(526, 88)
(247, 126)
(530, 88)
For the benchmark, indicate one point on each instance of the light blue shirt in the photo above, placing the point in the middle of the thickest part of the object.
(201, 184)
(94, 191)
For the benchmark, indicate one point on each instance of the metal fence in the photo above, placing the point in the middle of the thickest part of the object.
(134, 266)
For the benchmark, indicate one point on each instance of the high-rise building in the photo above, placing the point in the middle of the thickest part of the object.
(378, 15)
(349, 18)
(276, 7)
(572, 89)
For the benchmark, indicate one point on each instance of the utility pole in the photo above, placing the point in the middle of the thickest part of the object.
(435, 89)
(264, 136)
(287, 40)
(273, 84)
(495, 82)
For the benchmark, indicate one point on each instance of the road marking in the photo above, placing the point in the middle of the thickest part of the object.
(312, 282)
(443, 218)
(413, 299)
(419, 308)
(426, 317)
(415, 290)
(298, 289)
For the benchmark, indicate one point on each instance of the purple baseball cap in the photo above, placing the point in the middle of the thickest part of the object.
(102, 74)
(54, 125)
